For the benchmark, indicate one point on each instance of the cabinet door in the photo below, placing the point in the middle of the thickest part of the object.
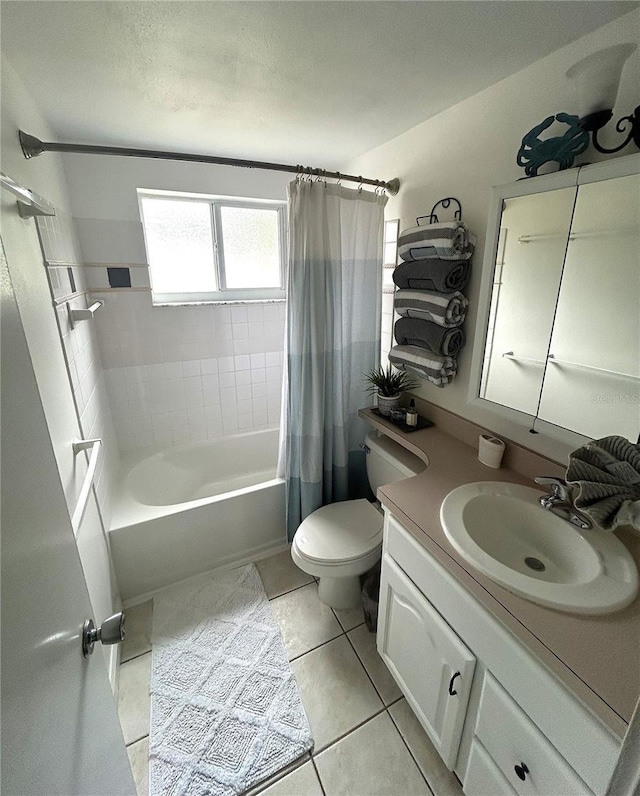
(429, 662)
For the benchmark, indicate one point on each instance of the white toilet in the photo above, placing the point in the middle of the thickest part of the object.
(340, 542)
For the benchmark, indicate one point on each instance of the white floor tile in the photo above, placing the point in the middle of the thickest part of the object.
(304, 621)
(303, 781)
(365, 646)
(139, 760)
(372, 760)
(134, 702)
(137, 628)
(349, 617)
(441, 780)
(279, 574)
(336, 692)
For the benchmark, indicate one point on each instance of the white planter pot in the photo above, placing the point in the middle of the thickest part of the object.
(386, 404)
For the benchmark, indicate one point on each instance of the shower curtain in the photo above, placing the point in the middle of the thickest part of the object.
(332, 339)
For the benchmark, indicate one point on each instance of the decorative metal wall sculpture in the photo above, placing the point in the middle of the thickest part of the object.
(534, 152)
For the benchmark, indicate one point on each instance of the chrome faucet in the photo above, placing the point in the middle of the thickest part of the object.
(559, 501)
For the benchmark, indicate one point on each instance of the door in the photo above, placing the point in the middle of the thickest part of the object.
(60, 729)
(429, 662)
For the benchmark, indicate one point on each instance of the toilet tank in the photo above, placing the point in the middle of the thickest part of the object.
(388, 462)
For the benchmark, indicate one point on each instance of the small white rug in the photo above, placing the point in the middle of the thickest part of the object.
(225, 707)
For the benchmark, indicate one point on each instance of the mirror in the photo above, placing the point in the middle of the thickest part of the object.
(561, 337)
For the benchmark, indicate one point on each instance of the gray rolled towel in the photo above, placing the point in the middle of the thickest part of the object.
(605, 474)
(445, 309)
(438, 370)
(438, 339)
(442, 276)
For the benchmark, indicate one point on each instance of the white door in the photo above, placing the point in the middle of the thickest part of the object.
(429, 662)
(60, 729)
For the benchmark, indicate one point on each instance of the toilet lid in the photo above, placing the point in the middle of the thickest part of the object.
(340, 532)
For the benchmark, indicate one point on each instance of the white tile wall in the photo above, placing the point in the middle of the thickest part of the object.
(178, 374)
(82, 352)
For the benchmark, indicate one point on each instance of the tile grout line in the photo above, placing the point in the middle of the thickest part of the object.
(419, 767)
(135, 657)
(315, 768)
(380, 697)
(348, 732)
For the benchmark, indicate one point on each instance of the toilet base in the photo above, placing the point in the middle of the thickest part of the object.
(341, 592)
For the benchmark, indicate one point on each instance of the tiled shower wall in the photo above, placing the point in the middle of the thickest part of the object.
(81, 349)
(186, 373)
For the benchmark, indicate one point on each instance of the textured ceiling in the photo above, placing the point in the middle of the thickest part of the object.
(299, 82)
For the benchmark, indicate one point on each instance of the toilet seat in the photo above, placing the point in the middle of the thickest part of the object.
(340, 533)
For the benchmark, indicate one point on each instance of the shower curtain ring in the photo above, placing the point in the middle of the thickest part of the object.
(361, 184)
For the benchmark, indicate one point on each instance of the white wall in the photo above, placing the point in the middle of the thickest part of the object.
(174, 374)
(471, 147)
(34, 299)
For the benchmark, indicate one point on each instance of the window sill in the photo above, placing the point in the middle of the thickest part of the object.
(228, 302)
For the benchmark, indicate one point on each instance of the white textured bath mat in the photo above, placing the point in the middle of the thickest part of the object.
(225, 708)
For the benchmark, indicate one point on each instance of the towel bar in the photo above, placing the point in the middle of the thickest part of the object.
(83, 498)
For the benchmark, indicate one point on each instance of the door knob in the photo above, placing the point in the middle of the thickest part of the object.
(111, 631)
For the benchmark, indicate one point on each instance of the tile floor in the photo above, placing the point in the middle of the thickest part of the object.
(367, 740)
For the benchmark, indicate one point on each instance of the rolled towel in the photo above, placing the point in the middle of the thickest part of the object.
(605, 474)
(445, 310)
(443, 276)
(448, 241)
(438, 370)
(438, 339)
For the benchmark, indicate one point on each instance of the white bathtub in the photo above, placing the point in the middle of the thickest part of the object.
(191, 508)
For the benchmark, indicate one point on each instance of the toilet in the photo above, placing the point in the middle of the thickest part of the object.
(339, 542)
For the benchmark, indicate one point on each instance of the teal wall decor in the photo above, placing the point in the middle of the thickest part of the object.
(534, 152)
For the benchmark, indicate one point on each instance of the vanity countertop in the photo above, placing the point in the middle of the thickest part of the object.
(597, 657)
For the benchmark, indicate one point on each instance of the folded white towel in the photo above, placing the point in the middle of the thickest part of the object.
(448, 241)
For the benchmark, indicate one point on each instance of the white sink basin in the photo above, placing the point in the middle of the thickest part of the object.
(502, 530)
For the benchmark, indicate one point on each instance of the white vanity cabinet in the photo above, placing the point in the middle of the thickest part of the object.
(511, 727)
(432, 666)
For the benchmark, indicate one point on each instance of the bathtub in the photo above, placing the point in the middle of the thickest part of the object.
(187, 509)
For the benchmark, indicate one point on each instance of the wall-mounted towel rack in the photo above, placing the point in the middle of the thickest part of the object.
(618, 373)
(78, 446)
(83, 313)
(511, 355)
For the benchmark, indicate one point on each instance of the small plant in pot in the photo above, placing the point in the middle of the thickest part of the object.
(387, 386)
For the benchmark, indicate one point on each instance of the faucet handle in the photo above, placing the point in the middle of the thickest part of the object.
(557, 486)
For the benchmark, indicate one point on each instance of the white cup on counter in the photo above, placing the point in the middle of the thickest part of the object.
(490, 450)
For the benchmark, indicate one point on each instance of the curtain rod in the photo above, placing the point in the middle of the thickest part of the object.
(32, 147)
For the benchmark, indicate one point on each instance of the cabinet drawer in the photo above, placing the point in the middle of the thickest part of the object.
(525, 756)
(483, 777)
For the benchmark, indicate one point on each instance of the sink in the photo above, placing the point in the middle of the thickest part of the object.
(502, 531)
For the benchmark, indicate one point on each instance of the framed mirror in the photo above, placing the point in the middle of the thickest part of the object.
(558, 338)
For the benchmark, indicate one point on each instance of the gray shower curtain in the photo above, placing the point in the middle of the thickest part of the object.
(333, 338)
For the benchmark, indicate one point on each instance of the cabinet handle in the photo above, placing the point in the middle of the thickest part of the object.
(521, 771)
(452, 691)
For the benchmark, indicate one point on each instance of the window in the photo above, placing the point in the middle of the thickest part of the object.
(202, 248)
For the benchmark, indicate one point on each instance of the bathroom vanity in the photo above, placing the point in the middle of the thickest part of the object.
(516, 697)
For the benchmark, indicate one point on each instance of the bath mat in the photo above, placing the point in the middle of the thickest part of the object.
(225, 707)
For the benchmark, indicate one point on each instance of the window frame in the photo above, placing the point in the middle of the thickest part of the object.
(223, 295)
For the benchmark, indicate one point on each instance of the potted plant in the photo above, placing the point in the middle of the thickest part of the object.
(387, 385)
